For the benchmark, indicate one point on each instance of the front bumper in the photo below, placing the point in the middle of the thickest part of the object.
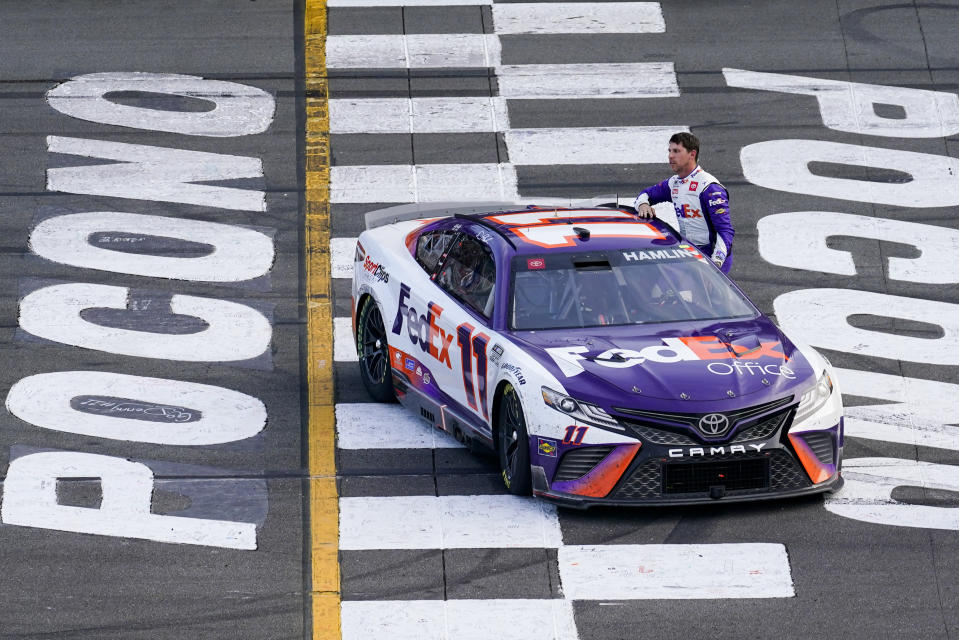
(652, 474)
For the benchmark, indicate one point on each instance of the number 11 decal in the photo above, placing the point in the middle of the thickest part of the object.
(574, 434)
(473, 347)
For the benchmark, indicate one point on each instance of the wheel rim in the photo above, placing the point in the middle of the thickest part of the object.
(510, 430)
(375, 351)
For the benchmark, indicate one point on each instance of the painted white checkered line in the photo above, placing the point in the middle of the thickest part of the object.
(413, 51)
(552, 17)
(578, 17)
(372, 425)
(423, 183)
(589, 145)
(675, 571)
(447, 522)
(419, 115)
(457, 620)
(342, 251)
(344, 348)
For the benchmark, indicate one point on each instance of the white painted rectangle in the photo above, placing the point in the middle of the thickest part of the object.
(406, 3)
(371, 425)
(594, 80)
(457, 620)
(578, 17)
(342, 252)
(415, 50)
(344, 347)
(447, 522)
(675, 571)
(423, 183)
(419, 115)
(590, 145)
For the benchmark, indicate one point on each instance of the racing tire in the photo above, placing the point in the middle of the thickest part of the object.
(513, 444)
(374, 353)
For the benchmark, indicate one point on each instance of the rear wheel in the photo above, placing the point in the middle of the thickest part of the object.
(513, 444)
(374, 353)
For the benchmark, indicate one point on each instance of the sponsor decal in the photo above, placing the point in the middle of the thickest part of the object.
(685, 349)
(410, 364)
(719, 212)
(660, 254)
(675, 191)
(695, 452)
(516, 371)
(419, 371)
(693, 185)
(687, 211)
(484, 236)
(546, 447)
(750, 369)
(535, 263)
(495, 353)
(714, 201)
(376, 270)
(422, 329)
(426, 378)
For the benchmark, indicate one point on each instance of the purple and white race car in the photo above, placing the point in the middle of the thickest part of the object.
(602, 357)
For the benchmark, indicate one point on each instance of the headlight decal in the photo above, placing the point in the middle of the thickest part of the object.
(813, 399)
(585, 412)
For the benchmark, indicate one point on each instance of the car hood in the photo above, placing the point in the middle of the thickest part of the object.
(705, 361)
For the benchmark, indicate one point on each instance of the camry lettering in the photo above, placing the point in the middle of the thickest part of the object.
(422, 329)
(688, 348)
(694, 452)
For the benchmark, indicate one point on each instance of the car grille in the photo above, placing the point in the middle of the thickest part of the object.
(821, 444)
(762, 430)
(655, 479)
(576, 463)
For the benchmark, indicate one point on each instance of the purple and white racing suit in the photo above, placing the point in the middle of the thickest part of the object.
(702, 209)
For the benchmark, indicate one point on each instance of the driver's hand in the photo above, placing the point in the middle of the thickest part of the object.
(645, 211)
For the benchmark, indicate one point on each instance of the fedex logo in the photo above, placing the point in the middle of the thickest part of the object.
(687, 211)
(422, 329)
(689, 348)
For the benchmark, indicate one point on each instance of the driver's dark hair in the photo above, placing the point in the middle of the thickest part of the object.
(688, 140)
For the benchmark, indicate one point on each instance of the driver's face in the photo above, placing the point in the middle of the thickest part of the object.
(681, 161)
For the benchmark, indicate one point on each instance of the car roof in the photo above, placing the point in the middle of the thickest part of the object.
(539, 230)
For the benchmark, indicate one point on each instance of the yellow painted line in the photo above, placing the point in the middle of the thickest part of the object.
(324, 505)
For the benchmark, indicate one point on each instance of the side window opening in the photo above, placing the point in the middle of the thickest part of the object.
(469, 274)
(430, 247)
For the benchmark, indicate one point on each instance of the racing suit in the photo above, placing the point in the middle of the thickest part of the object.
(702, 209)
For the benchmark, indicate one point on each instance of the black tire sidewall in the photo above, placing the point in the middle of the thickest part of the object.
(382, 390)
(521, 482)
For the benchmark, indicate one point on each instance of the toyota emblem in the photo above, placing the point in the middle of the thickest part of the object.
(714, 424)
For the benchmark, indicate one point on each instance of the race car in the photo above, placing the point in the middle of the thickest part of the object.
(602, 357)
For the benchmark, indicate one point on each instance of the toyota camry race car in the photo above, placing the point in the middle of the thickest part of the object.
(601, 356)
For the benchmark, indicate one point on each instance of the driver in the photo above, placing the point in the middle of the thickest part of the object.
(700, 201)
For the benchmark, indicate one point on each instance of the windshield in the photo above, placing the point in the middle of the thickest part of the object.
(567, 291)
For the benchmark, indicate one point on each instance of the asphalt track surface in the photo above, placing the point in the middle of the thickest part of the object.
(851, 578)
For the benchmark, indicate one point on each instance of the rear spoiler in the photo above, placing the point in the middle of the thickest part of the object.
(418, 210)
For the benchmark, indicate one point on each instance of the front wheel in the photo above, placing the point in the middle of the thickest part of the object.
(513, 444)
(374, 353)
